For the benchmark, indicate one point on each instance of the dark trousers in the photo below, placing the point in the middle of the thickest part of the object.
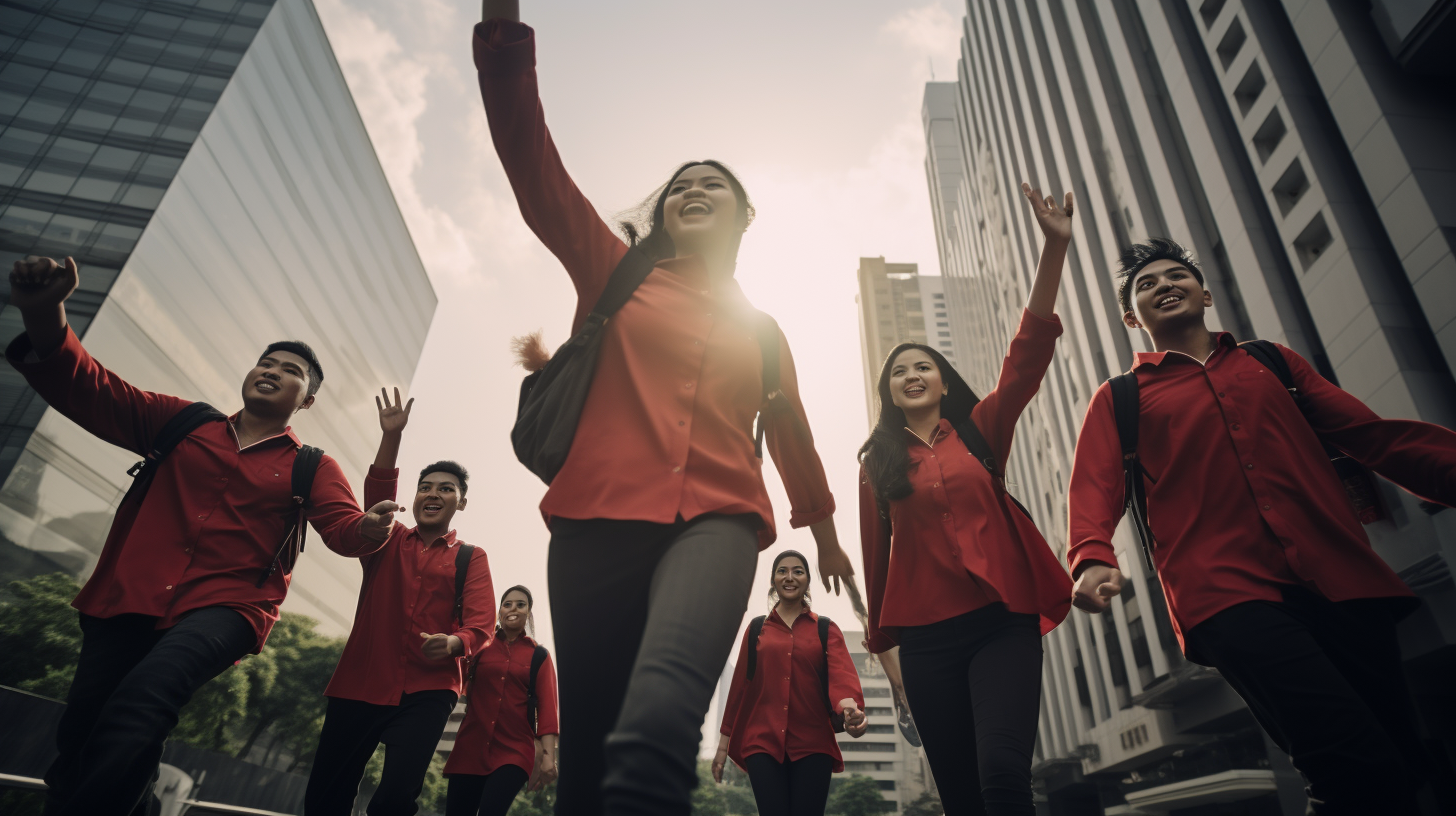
(1324, 680)
(131, 681)
(352, 730)
(489, 795)
(645, 616)
(974, 685)
(790, 788)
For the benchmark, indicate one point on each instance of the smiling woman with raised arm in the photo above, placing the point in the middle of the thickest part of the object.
(968, 586)
(659, 510)
(794, 686)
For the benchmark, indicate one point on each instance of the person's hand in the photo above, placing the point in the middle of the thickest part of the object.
(441, 646)
(1095, 588)
(834, 563)
(379, 521)
(855, 721)
(1055, 222)
(393, 418)
(720, 761)
(40, 283)
(545, 769)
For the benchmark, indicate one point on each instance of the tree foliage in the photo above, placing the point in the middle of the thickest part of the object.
(856, 796)
(40, 635)
(926, 804)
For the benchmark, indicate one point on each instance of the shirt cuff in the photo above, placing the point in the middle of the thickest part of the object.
(504, 47)
(798, 518)
(22, 354)
(384, 474)
(880, 642)
(1092, 551)
(1041, 325)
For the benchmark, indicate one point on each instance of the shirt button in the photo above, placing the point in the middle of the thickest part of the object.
(1266, 507)
(677, 470)
(1220, 395)
(937, 484)
(169, 586)
(1236, 426)
(189, 549)
(945, 516)
(687, 385)
(1249, 466)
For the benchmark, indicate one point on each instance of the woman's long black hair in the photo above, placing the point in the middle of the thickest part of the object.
(885, 455)
(642, 225)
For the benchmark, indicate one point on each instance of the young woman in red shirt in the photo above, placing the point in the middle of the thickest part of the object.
(969, 586)
(659, 510)
(778, 724)
(509, 733)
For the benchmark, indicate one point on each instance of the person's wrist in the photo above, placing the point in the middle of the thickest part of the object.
(1058, 241)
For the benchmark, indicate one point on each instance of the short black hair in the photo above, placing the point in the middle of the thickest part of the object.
(1137, 256)
(304, 350)
(451, 467)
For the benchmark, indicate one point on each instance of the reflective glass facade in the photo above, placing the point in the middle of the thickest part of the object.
(268, 217)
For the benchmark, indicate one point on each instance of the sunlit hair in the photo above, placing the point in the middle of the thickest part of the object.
(885, 455)
(530, 609)
(773, 593)
(643, 225)
(1137, 256)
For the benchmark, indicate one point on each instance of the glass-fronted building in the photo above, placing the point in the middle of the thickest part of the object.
(204, 163)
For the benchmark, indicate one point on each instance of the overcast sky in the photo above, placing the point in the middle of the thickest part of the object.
(815, 104)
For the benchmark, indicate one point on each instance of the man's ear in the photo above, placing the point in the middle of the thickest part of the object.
(460, 505)
(306, 404)
(1131, 320)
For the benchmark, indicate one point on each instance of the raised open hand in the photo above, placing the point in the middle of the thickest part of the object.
(38, 283)
(393, 417)
(1055, 221)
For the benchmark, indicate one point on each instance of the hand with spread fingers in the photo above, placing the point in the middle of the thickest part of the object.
(1055, 221)
(393, 417)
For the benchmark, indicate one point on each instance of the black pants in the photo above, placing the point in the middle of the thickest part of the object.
(790, 788)
(1324, 680)
(645, 616)
(489, 795)
(131, 681)
(974, 685)
(352, 730)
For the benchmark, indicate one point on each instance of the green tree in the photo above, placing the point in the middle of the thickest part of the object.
(926, 804)
(40, 635)
(291, 708)
(856, 796)
(539, 803)
(708, 797)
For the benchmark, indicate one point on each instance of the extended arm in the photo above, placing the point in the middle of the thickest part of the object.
(1095, 505)
(730, 709)
(1056, 226)
(874, 541)
(844, 685)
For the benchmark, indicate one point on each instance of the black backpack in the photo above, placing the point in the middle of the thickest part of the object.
(463, 553)
(755, 628)
(551, 399)
(190, 418)
(1358, 481)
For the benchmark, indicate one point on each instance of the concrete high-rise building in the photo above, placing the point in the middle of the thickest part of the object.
(882, 753)
(898, 305)
(1302, 149)
(205, 165)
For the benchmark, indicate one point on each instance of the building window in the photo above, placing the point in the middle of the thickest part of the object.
(938, 296)
(943, 334)
(943, 325)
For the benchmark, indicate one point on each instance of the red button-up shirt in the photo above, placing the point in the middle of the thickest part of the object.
(955, 543)
(667, 429)
(409, 588)
(782, 712)
(1241, 496)
(213, 516)
(495, 731)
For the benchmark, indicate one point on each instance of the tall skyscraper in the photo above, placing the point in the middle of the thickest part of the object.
(1302, 149)
(204, 163)
(898, 305)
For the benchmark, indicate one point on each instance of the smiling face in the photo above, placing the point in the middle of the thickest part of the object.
(437, 497)
(515, 610)
(700, 212)
(915, 381)
(1165, 293)
(791, 579)
(277, 386)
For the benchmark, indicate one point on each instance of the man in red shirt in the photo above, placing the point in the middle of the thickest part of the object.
(399, 676)
(1268, 574)
(189, 580)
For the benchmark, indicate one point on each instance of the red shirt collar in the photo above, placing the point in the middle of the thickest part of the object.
(1221, 340)
(943, 428)
(807, 613)
(449, 538)
(287, 431)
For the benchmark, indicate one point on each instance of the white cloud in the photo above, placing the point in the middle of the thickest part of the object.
(933, 31)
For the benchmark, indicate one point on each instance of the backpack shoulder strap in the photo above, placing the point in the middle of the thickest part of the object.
(192, 416)
(634, 268)
(976, 443)
(767, 330)
(755, 628)
(1268, 354)
(463, 554)
(824, 647)
(538, 658)
(1126, 408)
(305, 468)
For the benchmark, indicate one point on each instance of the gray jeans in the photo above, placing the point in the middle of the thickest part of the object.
(644, 616)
